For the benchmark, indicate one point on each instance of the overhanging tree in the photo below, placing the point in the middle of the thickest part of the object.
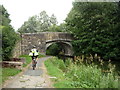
(96, 28)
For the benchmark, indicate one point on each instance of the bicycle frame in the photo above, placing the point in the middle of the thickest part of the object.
(34, 63)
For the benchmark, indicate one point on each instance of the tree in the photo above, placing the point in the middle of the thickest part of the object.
(53, 20)
(54, 49)
(58, 28)
(54, 28)
(4, 16)
(9, 37)
(29, 26)
(96, 27)
(44, 21)
(38, 23)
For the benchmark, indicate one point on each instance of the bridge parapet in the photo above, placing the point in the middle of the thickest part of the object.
(58, 36)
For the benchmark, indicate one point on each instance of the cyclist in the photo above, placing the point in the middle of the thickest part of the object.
(34, 54)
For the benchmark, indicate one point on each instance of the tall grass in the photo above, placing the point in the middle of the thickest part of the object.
(79, 75)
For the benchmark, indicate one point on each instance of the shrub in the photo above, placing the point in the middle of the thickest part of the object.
(91, 77)
(80, 75)
(9, 38)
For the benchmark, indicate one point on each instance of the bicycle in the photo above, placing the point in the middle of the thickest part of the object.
(34, 62)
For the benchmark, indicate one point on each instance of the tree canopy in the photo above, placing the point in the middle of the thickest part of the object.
(96, 26)
(4, 16)
(9, 36)
(38, 23)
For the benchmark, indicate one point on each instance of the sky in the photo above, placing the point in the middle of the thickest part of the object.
(21, 10)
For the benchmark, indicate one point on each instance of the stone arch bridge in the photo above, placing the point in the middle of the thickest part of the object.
(45, 39)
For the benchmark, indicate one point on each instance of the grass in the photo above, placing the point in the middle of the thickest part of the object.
(52, 70)
(7, 72)
(27, 58)
(0, 75)
(70, 75)
(40, 55)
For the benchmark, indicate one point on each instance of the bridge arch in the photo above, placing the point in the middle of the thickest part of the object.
(67, 46)
(43, 40)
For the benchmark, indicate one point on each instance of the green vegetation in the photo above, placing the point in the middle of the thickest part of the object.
(0, 76)
(7, 72)
(28, 60)
(41, 55)
(54, 49)
(79, 75)
(42, 23)
(38, 23)
(9, 37)
(95, 25)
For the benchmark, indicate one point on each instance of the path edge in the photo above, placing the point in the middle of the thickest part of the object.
(10, 79)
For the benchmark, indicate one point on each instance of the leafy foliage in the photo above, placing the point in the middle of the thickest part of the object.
(29, 26)
(95, 25)
(72, 75)
(9, 36)
(38, 23)
(4, 16)
(54, 49)
(58, 28)
(42, 23)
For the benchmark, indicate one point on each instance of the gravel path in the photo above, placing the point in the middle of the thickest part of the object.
(32, 78)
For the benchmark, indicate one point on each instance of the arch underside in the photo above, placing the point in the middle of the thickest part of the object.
(67, 47)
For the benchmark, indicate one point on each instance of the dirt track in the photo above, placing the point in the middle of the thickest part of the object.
(37, 78)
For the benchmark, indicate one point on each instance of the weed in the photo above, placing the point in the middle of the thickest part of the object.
(80, 75)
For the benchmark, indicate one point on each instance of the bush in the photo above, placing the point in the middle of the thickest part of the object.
(91, 77)
(80, 76)
(59, 63)
(96, 28)
(9, 38)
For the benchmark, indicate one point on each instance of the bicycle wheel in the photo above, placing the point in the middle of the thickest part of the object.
(33, 68)
(34, 64)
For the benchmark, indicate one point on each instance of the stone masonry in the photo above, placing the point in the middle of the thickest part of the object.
(43, 40)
